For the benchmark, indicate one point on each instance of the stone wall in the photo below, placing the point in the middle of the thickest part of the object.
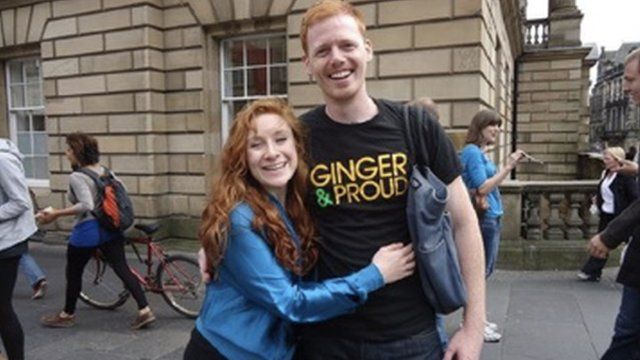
(552, 110)
(142, 76)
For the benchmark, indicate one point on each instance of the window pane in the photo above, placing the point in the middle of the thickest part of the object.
(234, 84)
(34, 94)
(15, 72)
(40, 144)
(233, 54)
(257, 81)
(278, 81)
(38, 122)
(41, 167)
(27, 162)
(32, 69)
(256, 51)
(24, 143)
(237, 106)
(277, 50)
(22, 121)
(17, 96)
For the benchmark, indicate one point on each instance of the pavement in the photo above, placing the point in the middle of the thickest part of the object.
(544, 315)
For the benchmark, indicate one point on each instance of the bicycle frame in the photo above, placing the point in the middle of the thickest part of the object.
(149, 280)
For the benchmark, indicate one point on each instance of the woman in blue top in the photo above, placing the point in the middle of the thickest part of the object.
(481, 174)
(257, 238)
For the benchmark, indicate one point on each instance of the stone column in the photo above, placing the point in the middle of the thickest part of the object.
(564, 23)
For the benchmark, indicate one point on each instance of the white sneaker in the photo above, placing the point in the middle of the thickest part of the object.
(490, 325)
(491, 336)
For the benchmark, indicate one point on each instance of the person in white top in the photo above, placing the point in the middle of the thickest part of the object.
(615, 192)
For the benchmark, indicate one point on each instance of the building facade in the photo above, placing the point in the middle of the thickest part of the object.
(614, 120)
(157, 82)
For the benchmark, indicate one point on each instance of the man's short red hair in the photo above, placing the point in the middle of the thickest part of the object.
(324, 9)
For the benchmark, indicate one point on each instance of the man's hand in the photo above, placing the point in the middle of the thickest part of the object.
(202, 263)
(626, 167)
(466, 344)
(597, 248)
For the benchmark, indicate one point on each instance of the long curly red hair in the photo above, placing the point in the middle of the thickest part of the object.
(235, 184)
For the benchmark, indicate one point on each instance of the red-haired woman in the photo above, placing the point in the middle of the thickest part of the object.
(257, 237)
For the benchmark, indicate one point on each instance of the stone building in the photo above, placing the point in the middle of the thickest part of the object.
(614, 120)
(158, 82)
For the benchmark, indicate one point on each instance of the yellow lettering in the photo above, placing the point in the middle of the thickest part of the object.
(352, 190)
(348, 172)
(319, 175)
(399, 161)
(384, 164)
(366, 172)
(370, 190)
(339, 191)
(401, 185)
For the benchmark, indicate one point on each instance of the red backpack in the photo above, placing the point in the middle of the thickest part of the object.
(113, 208)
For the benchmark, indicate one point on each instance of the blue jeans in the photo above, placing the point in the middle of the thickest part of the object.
(626, 334)
(442, 331)
(31, 269)
(490, 228)
(422, 346)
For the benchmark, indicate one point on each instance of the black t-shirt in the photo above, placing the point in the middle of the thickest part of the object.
(358, 183)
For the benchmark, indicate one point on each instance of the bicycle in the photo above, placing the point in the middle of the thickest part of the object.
(176, 277)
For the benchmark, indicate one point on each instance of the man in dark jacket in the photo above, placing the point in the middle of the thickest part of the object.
(626, 338)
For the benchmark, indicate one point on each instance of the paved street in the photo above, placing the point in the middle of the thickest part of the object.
(542, 315)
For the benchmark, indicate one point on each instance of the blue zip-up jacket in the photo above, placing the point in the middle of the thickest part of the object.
(249, 310)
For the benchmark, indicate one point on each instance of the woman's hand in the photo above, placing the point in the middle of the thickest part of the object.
(395, 262)
(47, 215)
(515, 158)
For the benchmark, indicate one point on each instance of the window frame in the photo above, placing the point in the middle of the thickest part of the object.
(225, 101)
(28, 110)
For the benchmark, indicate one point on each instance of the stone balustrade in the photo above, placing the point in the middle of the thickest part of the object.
(536, 33)
(547, 224)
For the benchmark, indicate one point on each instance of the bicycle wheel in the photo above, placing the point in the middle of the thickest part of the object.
(182, 286)
(101, 288)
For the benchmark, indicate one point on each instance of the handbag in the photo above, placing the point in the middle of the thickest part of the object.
(430, 226)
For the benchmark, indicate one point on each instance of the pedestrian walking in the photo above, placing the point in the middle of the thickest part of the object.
(17, 224)
(88, 235)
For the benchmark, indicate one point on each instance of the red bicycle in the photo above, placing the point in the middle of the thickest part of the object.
(176, 277)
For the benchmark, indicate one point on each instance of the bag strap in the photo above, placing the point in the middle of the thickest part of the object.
(414, 134)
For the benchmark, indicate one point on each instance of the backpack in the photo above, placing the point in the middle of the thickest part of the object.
(113, 208)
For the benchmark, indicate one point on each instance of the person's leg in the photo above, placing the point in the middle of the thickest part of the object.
(314, 348)
(199, 348)
(593, 268)
(114, 253)
(625, 343)
(490, 229)
(77, 259)
(31, 270)
(10, 327)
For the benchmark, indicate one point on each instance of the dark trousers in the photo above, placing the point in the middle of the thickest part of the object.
(10, 327)
(593, 267)
(422, 346)
(199, 348)
(625, 344)
(113, 251)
